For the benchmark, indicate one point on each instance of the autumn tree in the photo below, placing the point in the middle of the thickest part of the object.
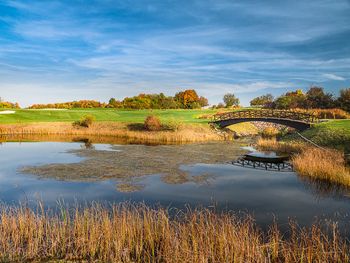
(9, 105)
(188, 99)
(203, 101)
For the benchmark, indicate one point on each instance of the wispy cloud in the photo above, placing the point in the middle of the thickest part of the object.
(119, 48)
(333, 76)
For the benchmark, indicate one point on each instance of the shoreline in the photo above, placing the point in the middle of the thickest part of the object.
(115, 130)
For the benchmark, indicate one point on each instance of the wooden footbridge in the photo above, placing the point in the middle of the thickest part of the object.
(298, 120)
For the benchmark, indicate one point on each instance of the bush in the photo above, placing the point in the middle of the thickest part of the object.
(152, 123)
(85, 121)
(173, 125)
(269, 132)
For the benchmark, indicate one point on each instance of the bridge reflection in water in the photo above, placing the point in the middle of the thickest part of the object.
(264, 160)
(265, 165)
(298, 120)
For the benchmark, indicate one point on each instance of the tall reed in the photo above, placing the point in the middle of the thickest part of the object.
(187, 133)
(324, 164)
(136, 233)
(278, 146)
(318, 163)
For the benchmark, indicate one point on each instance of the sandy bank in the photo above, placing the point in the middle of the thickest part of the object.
(7, 112)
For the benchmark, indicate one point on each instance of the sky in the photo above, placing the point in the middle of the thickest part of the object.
(56, 51)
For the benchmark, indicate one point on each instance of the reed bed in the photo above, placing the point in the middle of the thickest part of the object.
(317, 163)
(282, 147)
(136, 233)
(187, 133)
(324, 164)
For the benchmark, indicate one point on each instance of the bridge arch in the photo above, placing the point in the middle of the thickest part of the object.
(296, 120)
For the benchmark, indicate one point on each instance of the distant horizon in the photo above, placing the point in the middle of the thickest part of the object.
(59, 51)
(120, 99)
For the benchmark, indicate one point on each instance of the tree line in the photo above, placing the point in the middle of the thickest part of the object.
(8, 105)
(188, 99)
(314, 98)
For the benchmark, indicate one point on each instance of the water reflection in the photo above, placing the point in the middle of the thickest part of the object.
(88, 140)
(127, 162)
(177, 175)
(266, 160)
(324, 189)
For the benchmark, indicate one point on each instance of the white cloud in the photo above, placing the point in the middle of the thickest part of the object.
(333, 76)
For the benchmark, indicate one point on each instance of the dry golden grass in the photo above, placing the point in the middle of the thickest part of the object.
(324, 164)
(127, 233)
(269, 132)
(327, 113)
(187, 133)
(317, 163)
(281, 147)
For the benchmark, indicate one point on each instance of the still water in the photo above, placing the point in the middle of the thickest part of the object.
(168, 175)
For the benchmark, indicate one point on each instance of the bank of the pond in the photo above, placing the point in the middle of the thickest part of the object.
(129, 233)
(127, 131)
(332, 134)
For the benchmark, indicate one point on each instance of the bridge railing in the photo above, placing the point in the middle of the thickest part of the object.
(267, 113)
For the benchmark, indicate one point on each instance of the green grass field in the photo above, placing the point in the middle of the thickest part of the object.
(333, 133)
(134, 116)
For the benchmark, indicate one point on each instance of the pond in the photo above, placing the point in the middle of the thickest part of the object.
(167, 175)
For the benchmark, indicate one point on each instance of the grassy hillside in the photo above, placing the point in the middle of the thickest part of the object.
(26, 116)
(334, 133)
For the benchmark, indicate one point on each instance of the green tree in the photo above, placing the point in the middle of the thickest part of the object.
(344, 99)
(283, 102)
(230, 100)
(291, 100)
(264, 101)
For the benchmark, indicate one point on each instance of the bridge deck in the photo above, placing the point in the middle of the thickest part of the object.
(259, 114)
(297, 120)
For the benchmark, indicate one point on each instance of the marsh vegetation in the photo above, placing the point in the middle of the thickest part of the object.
(308, 160)
(137, 233)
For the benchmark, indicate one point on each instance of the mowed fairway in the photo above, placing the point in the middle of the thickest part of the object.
(130, 116)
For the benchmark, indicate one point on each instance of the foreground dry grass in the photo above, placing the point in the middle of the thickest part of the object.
(127, 233)
(187, 133)
(316, 163)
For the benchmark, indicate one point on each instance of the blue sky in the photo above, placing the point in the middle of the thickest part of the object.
(66, 50)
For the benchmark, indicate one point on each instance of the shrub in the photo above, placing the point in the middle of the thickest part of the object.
(173, 125)
(152, 123)
(205, 116)
(269, 132)
(85, 121)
